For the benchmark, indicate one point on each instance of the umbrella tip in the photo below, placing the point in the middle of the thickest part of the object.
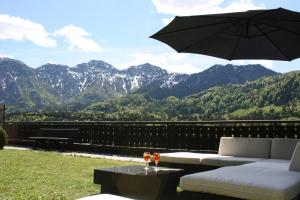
(152, 36)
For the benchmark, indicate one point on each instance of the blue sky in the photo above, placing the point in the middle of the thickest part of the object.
(116, 31)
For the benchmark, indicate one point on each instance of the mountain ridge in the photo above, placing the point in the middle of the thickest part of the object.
(73, 86)
(273, 97)
(60, 87)
(216, 75)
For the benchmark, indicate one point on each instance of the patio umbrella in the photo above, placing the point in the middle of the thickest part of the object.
(255, 34)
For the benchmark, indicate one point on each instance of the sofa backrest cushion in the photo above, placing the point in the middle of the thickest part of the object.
(283, 148)
(295, 162)
(245, 147)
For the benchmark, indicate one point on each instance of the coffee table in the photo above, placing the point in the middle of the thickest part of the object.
(136, 182)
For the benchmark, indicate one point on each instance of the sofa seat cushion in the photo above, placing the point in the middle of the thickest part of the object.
(262, 180)
(222, 161)
(295, 162)
(245, 147)
(184, 157)
(283, 148)
(104, 197)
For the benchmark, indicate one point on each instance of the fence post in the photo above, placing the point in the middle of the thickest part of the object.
(2, 115)
(168, 135)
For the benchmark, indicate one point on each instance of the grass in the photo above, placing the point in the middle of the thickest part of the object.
(48, 175)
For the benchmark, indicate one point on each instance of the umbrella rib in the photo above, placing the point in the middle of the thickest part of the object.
(235, 47)
(274, 26)
(191, 45)
(282, 20)
(273, 43)
(190, 28)
(257, 35)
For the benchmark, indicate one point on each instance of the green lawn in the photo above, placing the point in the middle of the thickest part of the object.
(48, 175)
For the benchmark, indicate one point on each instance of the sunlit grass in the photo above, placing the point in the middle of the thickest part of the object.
(48, 175)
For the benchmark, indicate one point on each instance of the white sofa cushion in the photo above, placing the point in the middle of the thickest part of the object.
(245, 147)
(222, 161)
(184, 157)
(104, 197)
(264, 180)
(295, 162)
(283, 148)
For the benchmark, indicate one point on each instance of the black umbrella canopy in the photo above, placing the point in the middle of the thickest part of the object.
(255, 34)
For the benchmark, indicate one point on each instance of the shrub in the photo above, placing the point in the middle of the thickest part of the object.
(3, 138)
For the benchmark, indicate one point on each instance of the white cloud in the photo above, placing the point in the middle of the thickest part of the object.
(265, 63)
(51, 62)
(197, 7)
(16, 28)
(6, 56)
(78, 38)
(166, 21)
(172, 62)
(239, 5)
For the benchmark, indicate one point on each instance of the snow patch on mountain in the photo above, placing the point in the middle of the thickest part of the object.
(134, 82)
(84, 83)
(171, 81)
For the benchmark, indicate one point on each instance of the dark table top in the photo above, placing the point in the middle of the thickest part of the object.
(139, 170)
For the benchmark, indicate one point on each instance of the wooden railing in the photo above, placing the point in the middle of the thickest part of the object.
(2, 115)
(166, 136)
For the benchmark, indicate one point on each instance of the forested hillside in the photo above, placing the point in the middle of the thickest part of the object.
(276, 97)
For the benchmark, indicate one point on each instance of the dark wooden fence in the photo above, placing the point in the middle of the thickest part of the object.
(133, 137)
(2, 115)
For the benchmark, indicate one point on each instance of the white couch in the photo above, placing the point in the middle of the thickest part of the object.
(258, 169)
(232, 151)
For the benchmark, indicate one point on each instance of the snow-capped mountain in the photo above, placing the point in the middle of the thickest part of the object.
(217, 75)
(53, 84)
(20, 86)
